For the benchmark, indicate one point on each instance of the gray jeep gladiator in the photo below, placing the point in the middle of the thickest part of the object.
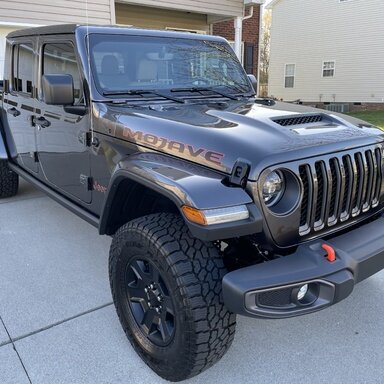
(218, 202)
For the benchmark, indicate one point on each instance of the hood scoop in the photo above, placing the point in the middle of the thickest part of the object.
(299, 120)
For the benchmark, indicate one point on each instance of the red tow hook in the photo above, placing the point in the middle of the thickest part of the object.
(331, 254)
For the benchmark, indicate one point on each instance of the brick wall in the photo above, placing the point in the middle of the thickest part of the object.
(251, 30)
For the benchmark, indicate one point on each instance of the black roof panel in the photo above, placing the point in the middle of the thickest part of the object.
(112, 29)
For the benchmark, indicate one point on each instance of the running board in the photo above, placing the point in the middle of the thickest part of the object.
(73, 207)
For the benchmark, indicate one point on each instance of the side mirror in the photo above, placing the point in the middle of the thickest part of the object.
(58, 89)
(253, 80)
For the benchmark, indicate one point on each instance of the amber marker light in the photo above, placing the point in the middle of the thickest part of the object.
(194, 215)
(216, 215)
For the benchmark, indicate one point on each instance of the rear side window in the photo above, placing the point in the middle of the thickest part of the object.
(22, 68)
(60, 58)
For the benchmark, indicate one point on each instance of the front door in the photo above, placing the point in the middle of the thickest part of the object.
(61, 145)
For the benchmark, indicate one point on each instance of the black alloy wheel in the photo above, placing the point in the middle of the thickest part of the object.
(149, 300)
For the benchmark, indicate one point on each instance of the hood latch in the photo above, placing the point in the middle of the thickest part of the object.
(240, 172)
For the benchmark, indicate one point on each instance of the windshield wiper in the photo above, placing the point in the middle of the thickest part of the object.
(204, 89)
(141, 92)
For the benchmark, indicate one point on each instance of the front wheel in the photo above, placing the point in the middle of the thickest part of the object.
(9, 180)
(166, 287)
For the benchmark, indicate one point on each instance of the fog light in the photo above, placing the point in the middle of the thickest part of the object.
(302, 292)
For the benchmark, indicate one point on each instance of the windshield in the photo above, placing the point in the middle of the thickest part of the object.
(127, 63)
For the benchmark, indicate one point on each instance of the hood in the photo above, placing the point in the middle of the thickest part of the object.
(217, 134)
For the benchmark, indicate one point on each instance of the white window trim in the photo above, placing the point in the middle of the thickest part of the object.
(285, 75)
(334, 69)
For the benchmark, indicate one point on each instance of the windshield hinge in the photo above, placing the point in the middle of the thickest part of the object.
(240, 172)
(85, 138)
(87, 181)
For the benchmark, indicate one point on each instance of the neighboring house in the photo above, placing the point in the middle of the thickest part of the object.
(183, 15)
(328, 51)
(251, 37)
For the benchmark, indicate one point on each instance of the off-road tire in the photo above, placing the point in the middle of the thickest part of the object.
(192, 271)
(9, 180)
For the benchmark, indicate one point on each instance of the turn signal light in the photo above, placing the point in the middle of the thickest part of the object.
(194, 215)
(216, 215)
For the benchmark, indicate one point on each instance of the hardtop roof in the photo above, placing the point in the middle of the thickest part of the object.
(107, 29)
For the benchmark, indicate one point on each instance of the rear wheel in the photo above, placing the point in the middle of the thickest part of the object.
(9, 180)
(166, 287)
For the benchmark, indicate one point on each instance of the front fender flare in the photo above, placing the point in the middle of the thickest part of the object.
(184, 183)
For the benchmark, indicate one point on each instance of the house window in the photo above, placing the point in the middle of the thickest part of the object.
(290, 70)
(328, 68)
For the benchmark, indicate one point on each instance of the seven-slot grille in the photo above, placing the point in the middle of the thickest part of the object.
(340, 188)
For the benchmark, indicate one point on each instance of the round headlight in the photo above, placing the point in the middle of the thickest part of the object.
(273, 188)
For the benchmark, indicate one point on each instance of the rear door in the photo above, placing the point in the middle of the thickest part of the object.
(20, 103)
(61, 141)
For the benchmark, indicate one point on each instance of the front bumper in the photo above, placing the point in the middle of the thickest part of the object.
(270, 289)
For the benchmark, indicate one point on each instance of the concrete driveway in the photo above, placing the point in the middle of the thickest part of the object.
(58, 324)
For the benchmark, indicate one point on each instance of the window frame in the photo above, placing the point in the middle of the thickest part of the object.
(12, 89)
(285, 75)
(43, 43)
(334, 69)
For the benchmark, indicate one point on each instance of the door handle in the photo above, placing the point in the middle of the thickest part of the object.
(13, 111)
(41, 122)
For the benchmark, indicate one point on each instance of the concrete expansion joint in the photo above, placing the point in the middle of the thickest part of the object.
(14, 348)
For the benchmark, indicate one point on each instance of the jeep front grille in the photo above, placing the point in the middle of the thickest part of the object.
(340, 188)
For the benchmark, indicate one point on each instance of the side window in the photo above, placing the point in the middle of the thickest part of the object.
(60, 58)
(22, 68)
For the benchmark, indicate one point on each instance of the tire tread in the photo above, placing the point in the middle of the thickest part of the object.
(198, 269)
(9, 180)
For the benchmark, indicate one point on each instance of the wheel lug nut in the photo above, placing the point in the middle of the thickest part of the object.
(149, 304)
(151, 286)
(159, 298)
(146, 290)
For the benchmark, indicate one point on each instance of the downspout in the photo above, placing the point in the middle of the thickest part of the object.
(259, 50)
(238, 22)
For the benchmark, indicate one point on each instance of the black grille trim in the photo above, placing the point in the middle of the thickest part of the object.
(340, 188)
(298, 120)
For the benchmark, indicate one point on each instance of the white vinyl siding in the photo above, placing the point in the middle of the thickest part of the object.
(46, 12)
(350, 33)
(210, 7)
(3, 33)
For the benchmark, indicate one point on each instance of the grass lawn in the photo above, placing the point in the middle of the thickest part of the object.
(373, 117)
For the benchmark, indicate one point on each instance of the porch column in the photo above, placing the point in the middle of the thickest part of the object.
(238, 36)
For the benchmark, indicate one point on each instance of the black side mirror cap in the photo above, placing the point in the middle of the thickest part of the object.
(79, 110)
(253, 80)
(58, 89)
